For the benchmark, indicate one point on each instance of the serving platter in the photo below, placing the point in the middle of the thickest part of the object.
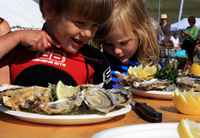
(154, 130)
(152, 93)
(64, 119)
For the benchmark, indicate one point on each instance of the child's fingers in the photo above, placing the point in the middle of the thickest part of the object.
(52, 42)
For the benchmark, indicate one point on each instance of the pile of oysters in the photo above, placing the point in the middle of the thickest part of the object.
(141, 83)
(183, 82)
(84, 99)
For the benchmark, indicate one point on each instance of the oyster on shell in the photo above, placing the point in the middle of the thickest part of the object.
(123, 95)
(99, 99)
(27, 98)
(140, 83)
(189, 83)
(62, 106)
(104, 101)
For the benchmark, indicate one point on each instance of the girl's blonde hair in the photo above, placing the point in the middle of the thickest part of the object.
(132, 15)
(97, 11)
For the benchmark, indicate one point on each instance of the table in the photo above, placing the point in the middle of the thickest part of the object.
(11, 127)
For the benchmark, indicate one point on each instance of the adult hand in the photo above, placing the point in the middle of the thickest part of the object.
(36, 40)
(187, 66)
(185, 32)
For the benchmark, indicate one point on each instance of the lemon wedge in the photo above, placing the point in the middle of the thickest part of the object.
(187, 102)
(194, 69)
(64, 91)
(141, 72)
(188, 129)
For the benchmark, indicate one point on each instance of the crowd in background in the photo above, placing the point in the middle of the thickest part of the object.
(190, 37)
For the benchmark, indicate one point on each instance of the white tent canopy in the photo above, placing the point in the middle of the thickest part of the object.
(22, 13)
(183, 24)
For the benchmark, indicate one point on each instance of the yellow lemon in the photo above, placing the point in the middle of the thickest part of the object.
(141, 72)
(195, 69)
(64, 91)
(188, 129)
(187, 102)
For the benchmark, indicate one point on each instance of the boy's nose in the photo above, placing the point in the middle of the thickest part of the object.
(86, 33)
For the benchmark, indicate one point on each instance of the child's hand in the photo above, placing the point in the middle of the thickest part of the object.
(36, 40)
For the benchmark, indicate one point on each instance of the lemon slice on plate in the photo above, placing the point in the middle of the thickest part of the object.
(64, 91)
(139, 71)
(188, 129)
(187, 102)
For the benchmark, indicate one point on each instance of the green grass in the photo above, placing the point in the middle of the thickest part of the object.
(172, 7)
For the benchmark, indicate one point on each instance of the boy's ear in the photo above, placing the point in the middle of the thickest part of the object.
(48, 13)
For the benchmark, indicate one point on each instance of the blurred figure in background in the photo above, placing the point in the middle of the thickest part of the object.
(175, 40)
(197, 48)
(190, 35)
(165, 26)
(4, 71)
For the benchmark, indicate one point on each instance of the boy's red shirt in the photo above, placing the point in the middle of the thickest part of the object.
(34, 68)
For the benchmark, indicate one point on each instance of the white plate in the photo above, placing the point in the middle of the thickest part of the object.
(64, 119)
(152, 93)
(154, 130)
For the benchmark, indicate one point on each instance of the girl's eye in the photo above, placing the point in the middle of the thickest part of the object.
(124, 42)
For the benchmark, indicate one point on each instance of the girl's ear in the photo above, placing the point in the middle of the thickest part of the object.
(48, 13)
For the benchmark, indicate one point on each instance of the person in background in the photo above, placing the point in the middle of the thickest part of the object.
(60, 51)
(131, 39)
(164, 37)
(175, 40)
(190, 35)
(197, 48)
(4, 71)
(165, 26)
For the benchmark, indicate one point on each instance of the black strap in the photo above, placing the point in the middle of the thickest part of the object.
(87, 70)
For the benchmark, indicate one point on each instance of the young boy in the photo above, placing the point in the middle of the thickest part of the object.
(70, 24)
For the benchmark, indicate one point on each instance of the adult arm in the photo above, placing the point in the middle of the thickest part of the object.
(195, 33)
(192, 34)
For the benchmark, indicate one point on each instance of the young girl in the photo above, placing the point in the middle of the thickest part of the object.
(71, 24)
(131, 37)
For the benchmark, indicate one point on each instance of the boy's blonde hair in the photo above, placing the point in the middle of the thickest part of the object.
(97, 11)
(132, 15)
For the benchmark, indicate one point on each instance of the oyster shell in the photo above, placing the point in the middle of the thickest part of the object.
(87, 86)
(106, 100)
(25, 98)
(62, 106)
(140, 83)
(189, 83)
(99, 99)
(123, 95)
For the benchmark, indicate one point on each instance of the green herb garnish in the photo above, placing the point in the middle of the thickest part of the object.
(167, 72)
